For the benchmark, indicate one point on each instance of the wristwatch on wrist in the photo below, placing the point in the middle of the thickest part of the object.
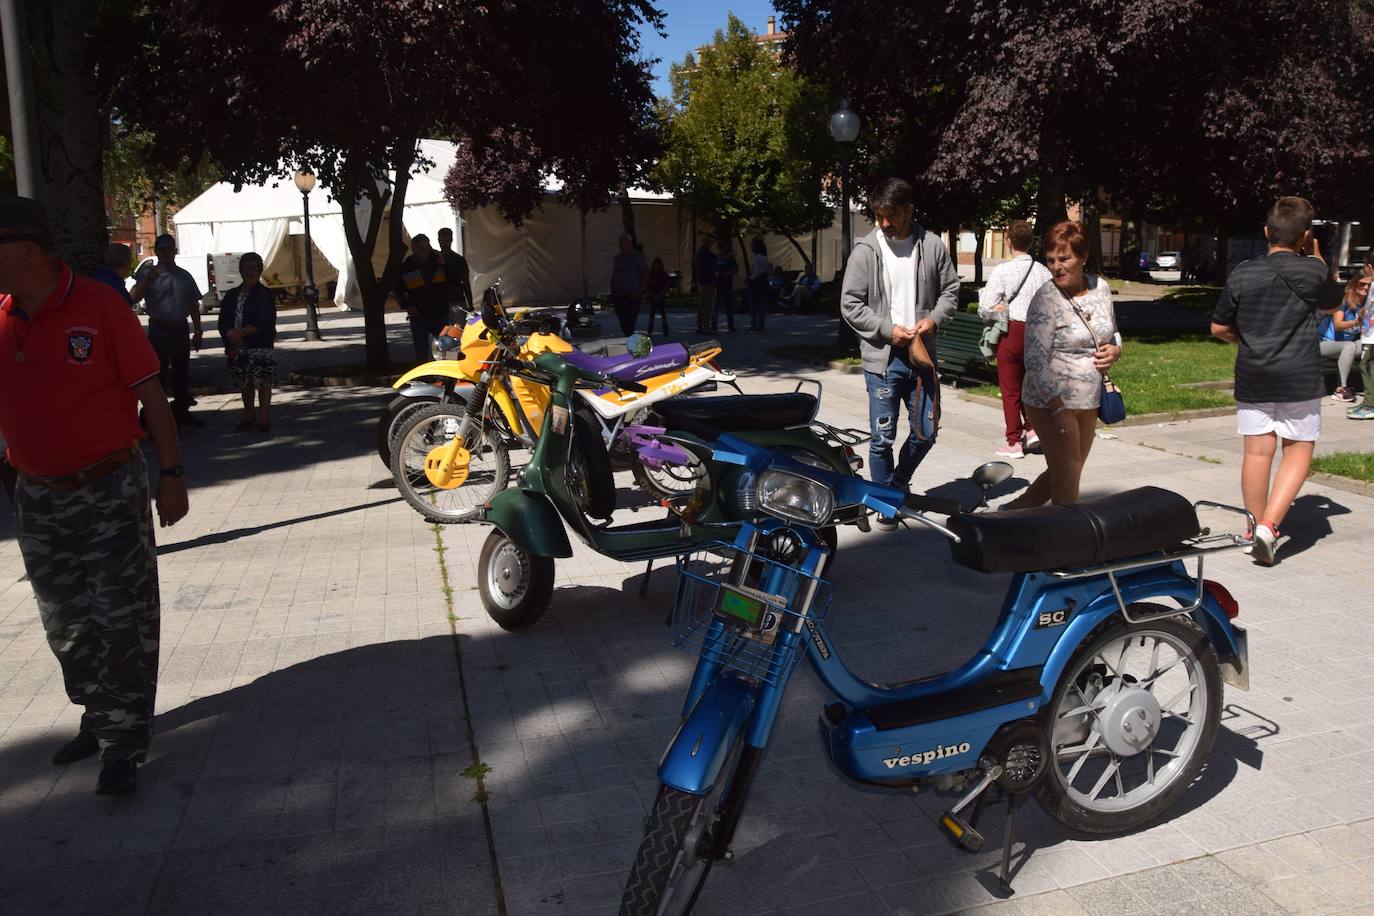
(175, 470)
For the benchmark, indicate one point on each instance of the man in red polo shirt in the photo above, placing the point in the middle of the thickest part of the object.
(74, 366)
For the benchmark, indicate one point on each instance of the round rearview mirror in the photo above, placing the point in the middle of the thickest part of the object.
(992, 474)
(639, 346)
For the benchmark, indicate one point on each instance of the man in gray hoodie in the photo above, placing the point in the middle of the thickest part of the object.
(899, 283)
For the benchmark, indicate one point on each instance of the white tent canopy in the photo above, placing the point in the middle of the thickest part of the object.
(264, 217)
(556, 255)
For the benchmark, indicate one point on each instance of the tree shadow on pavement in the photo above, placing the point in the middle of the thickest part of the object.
(332, 785)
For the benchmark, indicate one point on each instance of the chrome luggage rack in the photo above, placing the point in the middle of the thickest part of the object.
(1196, 547)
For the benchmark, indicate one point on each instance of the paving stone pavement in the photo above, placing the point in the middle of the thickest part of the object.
(312, 740)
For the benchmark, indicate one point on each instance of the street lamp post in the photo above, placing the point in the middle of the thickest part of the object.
(844, 127)
(305, 183)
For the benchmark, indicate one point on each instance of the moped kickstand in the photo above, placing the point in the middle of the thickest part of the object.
(964, 833)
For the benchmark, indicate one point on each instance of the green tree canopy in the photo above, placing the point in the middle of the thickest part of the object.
(746, 138)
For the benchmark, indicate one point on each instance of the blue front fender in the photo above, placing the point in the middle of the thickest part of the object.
(1157, 582)
(695, 755)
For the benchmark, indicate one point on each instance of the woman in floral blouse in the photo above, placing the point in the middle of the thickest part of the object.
(1071, 341)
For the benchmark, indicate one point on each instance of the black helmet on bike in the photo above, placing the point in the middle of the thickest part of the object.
(581, 314)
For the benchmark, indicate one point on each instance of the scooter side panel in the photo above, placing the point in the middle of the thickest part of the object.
(902, 754)
(698, 750)
(530, 521)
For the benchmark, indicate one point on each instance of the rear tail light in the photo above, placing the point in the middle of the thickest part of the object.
(210, 270)
(1222, 597)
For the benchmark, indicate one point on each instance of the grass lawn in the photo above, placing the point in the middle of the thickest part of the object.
(1156, 367)
(1197, 298)
(1356, 465)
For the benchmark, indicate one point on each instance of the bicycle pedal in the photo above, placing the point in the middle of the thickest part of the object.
(960, 832)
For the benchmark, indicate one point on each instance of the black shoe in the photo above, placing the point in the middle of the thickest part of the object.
(117, 777)
(79, 748)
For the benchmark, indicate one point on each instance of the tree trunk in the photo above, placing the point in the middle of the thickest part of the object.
(1049, 206)
(1092, 225)
(1128, 253)
(806, 262)
(627, 215)
(954, 246)
(978, 242)
(1223, 255)
(71, 128)
(359, 181)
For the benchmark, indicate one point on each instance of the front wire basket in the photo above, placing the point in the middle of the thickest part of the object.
(700, 626)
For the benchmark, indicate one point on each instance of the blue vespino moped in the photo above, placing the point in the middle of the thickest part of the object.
(1098, 691)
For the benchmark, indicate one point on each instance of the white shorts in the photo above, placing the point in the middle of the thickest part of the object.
(1300, 421)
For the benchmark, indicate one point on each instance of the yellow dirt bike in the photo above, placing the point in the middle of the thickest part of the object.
(451, 455)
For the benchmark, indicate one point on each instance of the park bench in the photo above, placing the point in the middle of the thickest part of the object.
(956, 351)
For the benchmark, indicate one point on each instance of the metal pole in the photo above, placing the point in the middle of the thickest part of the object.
(848, 239)
(312, 295)
(19, 74)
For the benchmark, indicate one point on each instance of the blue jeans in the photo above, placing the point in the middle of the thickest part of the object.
(920, 392)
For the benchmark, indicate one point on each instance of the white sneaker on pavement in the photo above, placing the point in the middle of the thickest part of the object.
(1011, 451)
(1032, 440)
(1266, 544)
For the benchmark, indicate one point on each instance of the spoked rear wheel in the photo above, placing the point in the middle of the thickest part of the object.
(674, 857)
(1131, 724)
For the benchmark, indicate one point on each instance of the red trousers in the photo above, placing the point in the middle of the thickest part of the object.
(1011, 369)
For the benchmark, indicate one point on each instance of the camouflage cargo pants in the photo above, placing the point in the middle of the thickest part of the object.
(92, 562)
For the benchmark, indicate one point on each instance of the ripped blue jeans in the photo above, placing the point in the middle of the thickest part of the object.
(920, 392)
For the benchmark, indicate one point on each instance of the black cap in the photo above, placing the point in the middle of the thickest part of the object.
(24, 220)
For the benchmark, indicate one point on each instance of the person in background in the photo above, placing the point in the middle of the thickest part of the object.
(423, 294)
(1365, 410)
(757, 289)
(629, 280)
(73, 357)
(115, 268)
(172, 298)
(658, 295)
(1339, 334)
(458, 277)
(900, 284)
(724, 271)
(704, 274)
(1010, 288)
(1269, 310)
(248, 325)
(805, 289)
(1071, 341)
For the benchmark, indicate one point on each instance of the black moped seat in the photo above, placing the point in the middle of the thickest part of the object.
(1085, 533)
(739, 412)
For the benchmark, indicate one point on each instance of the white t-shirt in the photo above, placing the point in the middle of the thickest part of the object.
(899, 270)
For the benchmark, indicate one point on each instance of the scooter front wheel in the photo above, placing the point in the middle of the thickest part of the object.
(676, 853)
(1131, 724)
(516, 586)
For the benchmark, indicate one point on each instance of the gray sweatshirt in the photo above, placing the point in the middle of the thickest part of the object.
(863, 296)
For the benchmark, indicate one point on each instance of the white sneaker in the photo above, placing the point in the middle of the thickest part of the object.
(1032, 440)
(1266, 545)
(1011, 451)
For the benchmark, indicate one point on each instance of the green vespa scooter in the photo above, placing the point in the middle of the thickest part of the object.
(569, 476)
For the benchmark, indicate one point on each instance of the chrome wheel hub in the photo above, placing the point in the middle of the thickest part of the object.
(1130, 721)
(509, 574)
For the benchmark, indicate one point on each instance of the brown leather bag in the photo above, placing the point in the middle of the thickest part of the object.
(918, 354)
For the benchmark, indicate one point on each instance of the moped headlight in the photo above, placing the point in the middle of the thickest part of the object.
(795, 498)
